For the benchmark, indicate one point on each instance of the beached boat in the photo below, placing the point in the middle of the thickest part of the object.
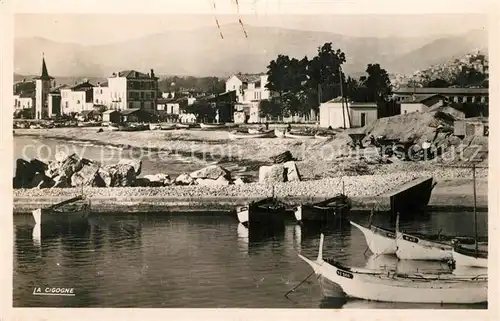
(379, 240)
(394, 287)
(297, 135)
(73, 210)
(154, 126)
(280, 133)
(267, 210)
(323, 136)
(133, 128)
(213, 126)
(333, 208)
(168, 126)
(242, 135)
(182, 126)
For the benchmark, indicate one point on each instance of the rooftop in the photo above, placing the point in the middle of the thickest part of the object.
(445, 91)
(133, 74)
(249, 78)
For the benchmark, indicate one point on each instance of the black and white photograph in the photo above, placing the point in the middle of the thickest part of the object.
(243, 159)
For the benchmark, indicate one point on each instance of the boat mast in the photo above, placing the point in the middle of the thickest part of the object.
(475, 211)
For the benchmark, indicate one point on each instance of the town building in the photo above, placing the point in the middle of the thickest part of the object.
(334, 113)
(130, 89)
(363, 113)
(472, 126)
(101, 94)
(78, 98)
(23, 102)
(111, 116)
(457, 95)
(421, 103)
(42, 90)
(250, 89)
(348, 114)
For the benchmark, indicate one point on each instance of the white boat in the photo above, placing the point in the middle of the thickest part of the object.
(113, 128)
(280, 133)
(213, 126)
(323, 136)
(476, 257)
(299, 135)
(240, 135)
(468, 257)
(412, 247)
(183, 126)
(379, 240)
(408, 288)
(154, 126)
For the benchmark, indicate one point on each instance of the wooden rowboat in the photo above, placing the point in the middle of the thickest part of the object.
(268, 210)
(73, 210)
(332, 208)
(299, 135)
(154, 126)
(184, 126)
(240, 135)
(323, 136)
(213, 126)
(393, 287)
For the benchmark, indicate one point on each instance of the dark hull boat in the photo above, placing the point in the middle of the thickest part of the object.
(74, 210)
(265, 211)
(334, 208)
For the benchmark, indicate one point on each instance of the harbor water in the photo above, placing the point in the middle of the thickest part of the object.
(202, 260)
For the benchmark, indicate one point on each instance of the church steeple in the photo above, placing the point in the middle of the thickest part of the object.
(45, 73)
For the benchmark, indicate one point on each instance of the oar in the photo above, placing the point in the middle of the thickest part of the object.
(293, 290)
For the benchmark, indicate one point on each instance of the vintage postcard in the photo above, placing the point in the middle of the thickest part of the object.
(294, 156)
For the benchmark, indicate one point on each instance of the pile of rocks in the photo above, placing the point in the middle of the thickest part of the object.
(72, 171)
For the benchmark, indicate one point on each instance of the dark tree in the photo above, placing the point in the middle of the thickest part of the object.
(269, 108)
(468, 77)
(377, 83)
(437, 83)
(204, 111)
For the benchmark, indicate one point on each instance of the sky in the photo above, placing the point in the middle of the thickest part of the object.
(89, 29)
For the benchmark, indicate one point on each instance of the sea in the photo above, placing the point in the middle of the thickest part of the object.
(205, 259)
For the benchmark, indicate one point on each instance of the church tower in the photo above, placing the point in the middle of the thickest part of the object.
(42, 84)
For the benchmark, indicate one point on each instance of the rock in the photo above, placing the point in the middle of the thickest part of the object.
(70, 165)
(292, 173)
(103, 176)
(38, 180)
(137, 164)
(61, 181)
(221, 181)
(212, 172)
(38, 165)
(155, 180)
(184, 179)
(272, 174)
(85, 176)
(122, 175)
(238, 181)
(53, 169)
(25, 172)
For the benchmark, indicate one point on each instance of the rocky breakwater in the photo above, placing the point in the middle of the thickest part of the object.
(72, 171)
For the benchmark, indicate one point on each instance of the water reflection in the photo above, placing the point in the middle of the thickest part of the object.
(195, 260)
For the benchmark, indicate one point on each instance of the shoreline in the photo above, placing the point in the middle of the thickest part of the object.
(447, 195)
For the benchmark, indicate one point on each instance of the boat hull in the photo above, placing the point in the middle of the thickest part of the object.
(236, 135)
(410, 247)
(257, 213)
(466, 259)
(381, 287)
(212, 126)
(295, 136)
(311, 213)
(45, 216)
(379, 241)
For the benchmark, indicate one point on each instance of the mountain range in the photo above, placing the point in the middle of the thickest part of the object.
(203, 52)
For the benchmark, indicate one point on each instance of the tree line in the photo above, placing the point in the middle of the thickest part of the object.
(299, 86)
